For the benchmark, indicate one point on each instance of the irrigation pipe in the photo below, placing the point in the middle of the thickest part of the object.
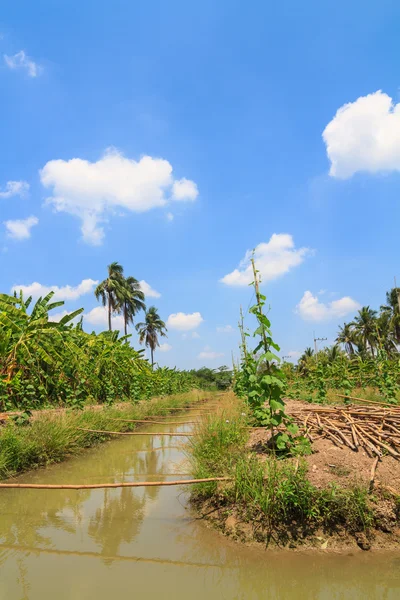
(97, 486)
(134, 432)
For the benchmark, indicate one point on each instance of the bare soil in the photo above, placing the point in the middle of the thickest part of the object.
(327, 464)
(338, 464)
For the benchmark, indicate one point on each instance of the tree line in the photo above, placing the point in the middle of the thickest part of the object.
(369, 333)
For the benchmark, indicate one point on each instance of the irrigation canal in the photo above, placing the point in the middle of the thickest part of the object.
(144, 542)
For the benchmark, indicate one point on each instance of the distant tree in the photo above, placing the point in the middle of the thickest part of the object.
(348, 337)
(365, 325)
(392, 308)
(110, 291)
(130, 301)
(150, 329)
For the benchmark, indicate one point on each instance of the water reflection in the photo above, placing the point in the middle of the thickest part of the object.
(90, 544)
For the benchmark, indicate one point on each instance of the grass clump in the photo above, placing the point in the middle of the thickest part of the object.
(279, 495)
(274, 495)
(53, 437)
(213, 452)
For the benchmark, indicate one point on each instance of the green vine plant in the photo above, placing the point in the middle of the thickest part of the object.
(264, 380)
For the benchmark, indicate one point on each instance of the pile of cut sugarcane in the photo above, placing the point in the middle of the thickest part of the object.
(375, 429)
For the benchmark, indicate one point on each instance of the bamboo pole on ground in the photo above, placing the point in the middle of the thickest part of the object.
(98, 486)
(377, 402)
(157, 422)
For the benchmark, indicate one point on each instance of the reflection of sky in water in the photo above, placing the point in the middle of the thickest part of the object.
(143, 541)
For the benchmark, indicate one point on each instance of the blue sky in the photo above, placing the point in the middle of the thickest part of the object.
(175, 137)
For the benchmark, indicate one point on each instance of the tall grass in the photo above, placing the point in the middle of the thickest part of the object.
(275, 495)
(51, 438)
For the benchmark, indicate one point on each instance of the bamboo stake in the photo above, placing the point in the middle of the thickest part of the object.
(97, 486)
(381, 444)
(372, 477)
(365, 400)
(157, 422)
(134, 432)
(344, 438)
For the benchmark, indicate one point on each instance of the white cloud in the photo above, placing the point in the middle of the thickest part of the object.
(184, 189)
(364, 136)
(195, 335)
(148, 290)
(311, 309)
(209, 354)
(164, 347)
(21, 61)
(225, 329)
(92, 191)
(67, 292)
(20, 229)
(98, 316)
(184, 322)
(273, 259)
(169, 216)
(56, 317)
(15, 188)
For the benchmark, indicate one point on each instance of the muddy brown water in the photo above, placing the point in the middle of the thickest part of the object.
(145, 543)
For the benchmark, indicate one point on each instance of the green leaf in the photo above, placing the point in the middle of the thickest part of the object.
(276, 404)
(292, 428)
(268, 356)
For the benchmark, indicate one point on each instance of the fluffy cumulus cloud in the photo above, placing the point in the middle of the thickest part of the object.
(20, 229)
(15, 188)
(66, 292)
(92, 191)
(21, 61)
(209, 354)
(184, 189)
(164, 347)
(183, 321)
(148, 290)
(273, 259)
(364, 136)
(98, 317)
(311, 309)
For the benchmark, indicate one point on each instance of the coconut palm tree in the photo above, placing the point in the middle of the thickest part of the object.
(347, 337)
(305, 359)
(392, 307)
(333, 352)
(110, 291)
(149, 331)
(131, 301)
(365, 325)
(386, 333)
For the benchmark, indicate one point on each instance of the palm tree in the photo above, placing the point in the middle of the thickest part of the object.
(347, 337)
(110, 291)
(305, 359)
(132, 300)
(392, 307)
(149, 331)
(333, 352)
(366, 326)
(386, 333)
